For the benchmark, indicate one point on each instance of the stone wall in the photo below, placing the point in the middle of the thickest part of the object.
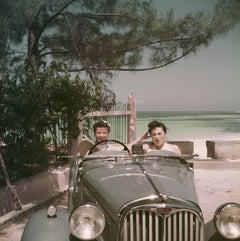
(223, 149)
(186, 147)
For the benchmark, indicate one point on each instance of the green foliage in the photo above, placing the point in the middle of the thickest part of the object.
(68, 96)
(32, 104)
(23, 124)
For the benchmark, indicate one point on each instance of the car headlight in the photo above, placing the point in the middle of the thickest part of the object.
(227, 220)
(87, 222)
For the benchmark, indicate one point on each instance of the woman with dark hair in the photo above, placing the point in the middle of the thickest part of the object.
(157, 131)
(101, 131)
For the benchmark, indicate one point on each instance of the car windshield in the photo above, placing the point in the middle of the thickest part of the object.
(152, 158)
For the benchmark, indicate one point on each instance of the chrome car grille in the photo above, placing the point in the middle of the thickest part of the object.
(178, 225)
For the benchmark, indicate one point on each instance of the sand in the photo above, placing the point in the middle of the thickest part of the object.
(215, 187)
(217, 181)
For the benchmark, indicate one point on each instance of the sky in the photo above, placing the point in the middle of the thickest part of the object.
(206, 81)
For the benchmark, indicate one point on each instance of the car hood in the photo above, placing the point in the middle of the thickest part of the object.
(115, 185)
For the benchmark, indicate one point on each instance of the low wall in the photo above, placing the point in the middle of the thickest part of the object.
(35, 189)
(186, 147)
(223, 149)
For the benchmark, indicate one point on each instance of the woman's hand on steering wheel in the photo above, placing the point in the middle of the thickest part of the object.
(125, 148)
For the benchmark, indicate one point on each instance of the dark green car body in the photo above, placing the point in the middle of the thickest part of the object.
(149, 197)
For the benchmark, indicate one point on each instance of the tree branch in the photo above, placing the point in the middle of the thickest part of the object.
(16, 199)
(163, 65)
(49, 20)
(78, 53)
(144, 44)
(143, 69)
(111, 15)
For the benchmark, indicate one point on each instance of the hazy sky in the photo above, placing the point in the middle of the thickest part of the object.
(208, 80)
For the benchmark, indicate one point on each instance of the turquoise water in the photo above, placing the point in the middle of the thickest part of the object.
(193, 125)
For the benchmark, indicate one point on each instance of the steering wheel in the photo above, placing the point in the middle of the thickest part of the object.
(125, 148)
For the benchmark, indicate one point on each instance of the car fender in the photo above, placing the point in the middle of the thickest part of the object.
(41, 227)
(211, 234)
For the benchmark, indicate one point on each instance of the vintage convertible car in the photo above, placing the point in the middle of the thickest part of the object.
(122, 196)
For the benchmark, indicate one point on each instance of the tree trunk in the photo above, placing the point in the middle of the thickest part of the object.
(16, 199)
(33, 52)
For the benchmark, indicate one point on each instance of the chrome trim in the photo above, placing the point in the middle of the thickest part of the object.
(74, 173)
(161, 222)
(217, 216)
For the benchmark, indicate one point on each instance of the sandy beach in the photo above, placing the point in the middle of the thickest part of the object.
(217, 181)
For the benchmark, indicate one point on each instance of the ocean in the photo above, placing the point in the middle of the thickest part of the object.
(193, 125)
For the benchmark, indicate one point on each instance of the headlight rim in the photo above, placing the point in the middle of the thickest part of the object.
(217, 215)
(94, 207)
